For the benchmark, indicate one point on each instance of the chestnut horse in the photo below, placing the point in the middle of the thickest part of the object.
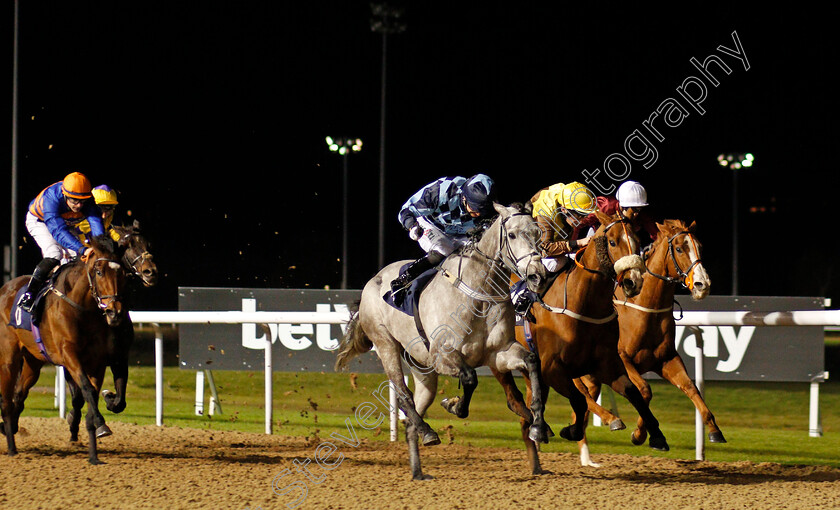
(647, 327)
(577, 331)
(74, 334)
(133, 250)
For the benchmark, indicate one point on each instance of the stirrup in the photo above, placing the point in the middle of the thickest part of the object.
(26, 302)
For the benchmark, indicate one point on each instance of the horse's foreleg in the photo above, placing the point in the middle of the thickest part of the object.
(123, 338)
(674, 372)
(460, 406)
(539, 430)
(591, 389)
(577, 430)
(531, 447)
(628, 390)
(515, 400)
(414, 452)
(77, 400)
(115, 402)
(94, 421)
(638, 436)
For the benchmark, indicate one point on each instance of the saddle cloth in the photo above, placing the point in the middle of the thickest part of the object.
(412, 295)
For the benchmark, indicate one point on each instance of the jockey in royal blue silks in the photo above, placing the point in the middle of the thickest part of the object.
(51, 220)
(439, 217)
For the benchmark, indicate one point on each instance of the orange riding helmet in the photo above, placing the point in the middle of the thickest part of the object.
(76, 185)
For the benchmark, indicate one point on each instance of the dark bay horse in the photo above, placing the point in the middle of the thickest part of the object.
(133, 249)
(647, 327)
(78, 313)
(469, 319)
(577, 331)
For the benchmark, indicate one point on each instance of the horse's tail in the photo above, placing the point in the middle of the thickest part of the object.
(354, 343)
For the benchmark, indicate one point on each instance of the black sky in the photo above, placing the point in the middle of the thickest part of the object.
(210, 119)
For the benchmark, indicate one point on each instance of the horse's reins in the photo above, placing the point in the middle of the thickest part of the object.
(684, 277)
(505, 256)
(94, 292)
(605, 274)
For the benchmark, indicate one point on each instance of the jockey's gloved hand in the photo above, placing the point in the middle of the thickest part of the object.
(415, 232)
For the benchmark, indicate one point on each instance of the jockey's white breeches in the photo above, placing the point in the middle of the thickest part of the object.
(49, 246)
(434, 239)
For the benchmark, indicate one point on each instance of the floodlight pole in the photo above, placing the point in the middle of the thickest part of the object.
(344, 147)
(13, 258)
(345, 182)
(385, 20)
(735, 162)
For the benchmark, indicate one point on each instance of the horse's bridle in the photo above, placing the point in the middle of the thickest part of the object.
(607, 274)
(133, 263)
(684, 277)
(94, 291)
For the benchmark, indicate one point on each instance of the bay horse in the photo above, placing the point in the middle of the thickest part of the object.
(466, 307)
(133, 250)
(647, 325)
(79, 311)
(576, 330)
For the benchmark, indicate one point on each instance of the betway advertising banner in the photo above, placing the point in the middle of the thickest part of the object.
(295, 347)
(750, 353)
(742, 353)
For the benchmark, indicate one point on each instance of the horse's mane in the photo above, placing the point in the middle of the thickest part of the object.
(103, 243)
(603, 255)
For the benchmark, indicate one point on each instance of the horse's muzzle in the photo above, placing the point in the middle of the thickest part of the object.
(630, 271)
(536, 277)
(113, 313)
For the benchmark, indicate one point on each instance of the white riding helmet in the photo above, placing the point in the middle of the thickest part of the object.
(631, 194)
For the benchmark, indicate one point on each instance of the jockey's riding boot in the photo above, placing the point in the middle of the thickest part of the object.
(522, 305)
(400, 284)
(39, 277)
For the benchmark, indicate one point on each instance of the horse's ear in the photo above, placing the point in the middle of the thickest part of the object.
(693, 227)
(528, 207)
(136, 225)
(605, 219)
(502, 210)
(663, 228)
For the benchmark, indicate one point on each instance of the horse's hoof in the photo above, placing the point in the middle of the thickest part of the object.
(103, 431)
(659, 444)
(548, 432)
(421, 477)
(716, 437)
(95, 462)
(453, 405)
(572, 435)
(637, 441)
(617, 424)
(431, 438)
(536, 434)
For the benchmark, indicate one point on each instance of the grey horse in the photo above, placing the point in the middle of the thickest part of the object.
(465, 320)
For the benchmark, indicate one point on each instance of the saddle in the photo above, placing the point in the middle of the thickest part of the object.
(412, 294)
(21, 319)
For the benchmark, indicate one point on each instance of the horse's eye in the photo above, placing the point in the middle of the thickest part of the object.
(679, 250)
(612, 243)
(511, 235)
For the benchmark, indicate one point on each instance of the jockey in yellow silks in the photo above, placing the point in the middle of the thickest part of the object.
(558, 210)
(106, 199)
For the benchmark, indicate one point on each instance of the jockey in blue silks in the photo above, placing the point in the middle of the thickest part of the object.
(51, 220)
(439, 217)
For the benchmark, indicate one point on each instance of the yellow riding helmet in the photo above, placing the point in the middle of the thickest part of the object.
(76, 185)
(104, 195)
(577, 197)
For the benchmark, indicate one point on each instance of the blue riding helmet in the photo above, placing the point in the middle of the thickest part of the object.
(480, 192)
